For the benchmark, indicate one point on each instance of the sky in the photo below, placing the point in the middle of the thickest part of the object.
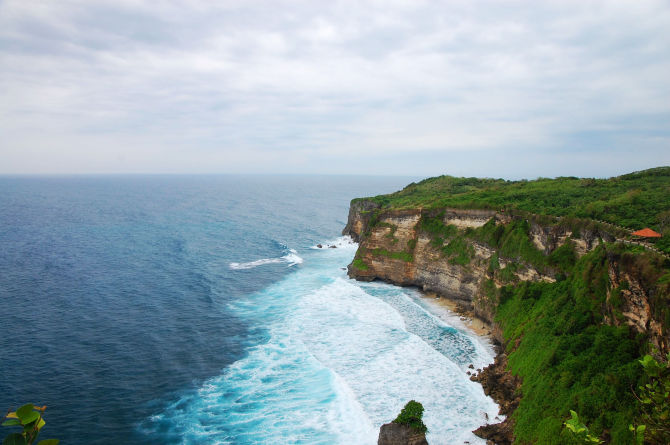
(514, 89)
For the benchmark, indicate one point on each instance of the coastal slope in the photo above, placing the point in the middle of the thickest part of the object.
(572, 298)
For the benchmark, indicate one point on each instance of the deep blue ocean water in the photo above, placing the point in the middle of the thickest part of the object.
(198, 310)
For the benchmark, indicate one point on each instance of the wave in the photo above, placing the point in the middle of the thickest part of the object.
(342, 242)
(291, 258)
(340, 359)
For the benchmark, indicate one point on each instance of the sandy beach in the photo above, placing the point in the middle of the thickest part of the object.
(468, 319)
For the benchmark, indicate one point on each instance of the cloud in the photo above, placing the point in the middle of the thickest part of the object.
(334, 87)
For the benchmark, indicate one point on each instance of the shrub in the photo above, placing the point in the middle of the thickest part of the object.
(412, 415)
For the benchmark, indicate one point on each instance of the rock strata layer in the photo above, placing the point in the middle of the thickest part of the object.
(394, 247)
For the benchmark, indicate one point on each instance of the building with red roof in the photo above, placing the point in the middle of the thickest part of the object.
(647, 233)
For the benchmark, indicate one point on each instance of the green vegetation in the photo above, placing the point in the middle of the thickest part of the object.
(580, 431)
(412, 415)
(29, 419)
(511, 241)
(391, 234)
(458, 251)
(566, 355)
(654, 397)
(405, 256)
(436, 227)
(635, 200)
(359, 264)
(411, 244)
(655, 400)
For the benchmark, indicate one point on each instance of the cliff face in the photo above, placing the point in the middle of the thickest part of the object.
(397, 250)
(358, 221)
(398, 247)
(631, 300)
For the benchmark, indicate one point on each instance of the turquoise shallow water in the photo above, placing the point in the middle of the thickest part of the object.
(199, 310)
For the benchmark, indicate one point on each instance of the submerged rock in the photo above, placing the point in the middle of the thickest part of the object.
(397, 434)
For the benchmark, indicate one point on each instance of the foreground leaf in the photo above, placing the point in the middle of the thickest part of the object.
(24, 411)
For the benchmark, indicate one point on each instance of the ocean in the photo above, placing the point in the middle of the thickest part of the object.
(199, 310)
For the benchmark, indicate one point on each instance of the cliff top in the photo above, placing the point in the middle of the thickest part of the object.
(635, 200)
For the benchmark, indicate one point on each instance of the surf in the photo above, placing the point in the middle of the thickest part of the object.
(341, 358)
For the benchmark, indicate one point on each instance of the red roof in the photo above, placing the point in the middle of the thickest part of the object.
(647, 233)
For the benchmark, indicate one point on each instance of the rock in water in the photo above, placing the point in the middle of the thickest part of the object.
(396, 434)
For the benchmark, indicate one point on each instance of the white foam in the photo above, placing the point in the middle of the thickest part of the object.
(342, 242)
(291, 258)
(341, 359)
(364, 341)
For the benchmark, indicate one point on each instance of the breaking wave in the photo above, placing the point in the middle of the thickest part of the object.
(340, 359)
(290, 258)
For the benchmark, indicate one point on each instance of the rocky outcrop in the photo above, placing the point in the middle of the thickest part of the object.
(396, 434)
(630, 300)
(504, 388)
(360, 213)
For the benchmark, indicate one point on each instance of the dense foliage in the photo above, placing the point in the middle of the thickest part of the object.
(654, 398)
(580, 432)
(412, 415)
(635, 200)
(567, 357)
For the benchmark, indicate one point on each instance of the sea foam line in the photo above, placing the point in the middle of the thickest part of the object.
(291, 258)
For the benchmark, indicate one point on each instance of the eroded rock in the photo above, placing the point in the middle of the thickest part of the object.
(396, 434)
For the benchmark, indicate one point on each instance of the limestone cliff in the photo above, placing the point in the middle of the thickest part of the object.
(400, 247)
(634, 298)
(398, 250)
(473, 256)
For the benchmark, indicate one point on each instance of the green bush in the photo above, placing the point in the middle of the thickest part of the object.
(458, 251)
(654, 398)
(360, 264)
(412, 415)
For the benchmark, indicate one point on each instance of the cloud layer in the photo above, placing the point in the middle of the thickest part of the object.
(514, 89)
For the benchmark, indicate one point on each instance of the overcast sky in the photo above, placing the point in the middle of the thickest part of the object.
(477, 88)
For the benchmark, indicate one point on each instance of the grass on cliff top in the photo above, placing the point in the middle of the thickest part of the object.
(635, 200)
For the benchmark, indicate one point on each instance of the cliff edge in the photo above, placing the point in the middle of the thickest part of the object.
(573, 302)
